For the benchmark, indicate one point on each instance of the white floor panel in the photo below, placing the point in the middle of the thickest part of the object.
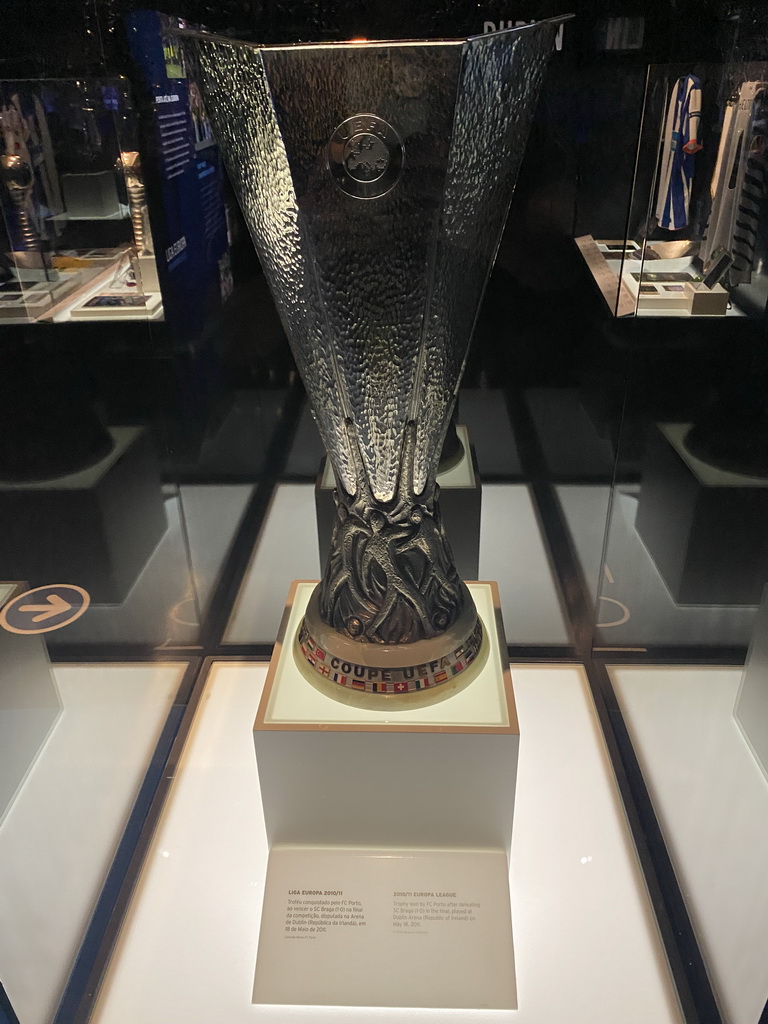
(511, 552)
(712, 801)
(212, 515)
(59, 837)
(586, 945)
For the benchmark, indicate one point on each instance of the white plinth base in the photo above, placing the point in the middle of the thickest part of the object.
(433, 776)
(29, 703)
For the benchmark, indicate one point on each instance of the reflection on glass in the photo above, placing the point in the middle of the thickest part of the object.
(751, 709)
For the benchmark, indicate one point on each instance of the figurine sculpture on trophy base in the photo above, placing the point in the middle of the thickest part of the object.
(460, 486)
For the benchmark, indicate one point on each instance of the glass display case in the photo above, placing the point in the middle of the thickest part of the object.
(77, 240)
(163, 487)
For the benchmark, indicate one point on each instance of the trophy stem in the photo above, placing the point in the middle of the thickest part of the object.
(390, 577)
(391, 616)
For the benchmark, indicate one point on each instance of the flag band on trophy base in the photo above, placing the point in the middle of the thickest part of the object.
(390, 681)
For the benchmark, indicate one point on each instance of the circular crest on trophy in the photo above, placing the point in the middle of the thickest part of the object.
(365, 156)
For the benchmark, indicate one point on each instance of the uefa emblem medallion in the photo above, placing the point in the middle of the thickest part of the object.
(365, 156)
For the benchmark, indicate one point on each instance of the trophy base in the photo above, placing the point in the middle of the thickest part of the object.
(396, 677)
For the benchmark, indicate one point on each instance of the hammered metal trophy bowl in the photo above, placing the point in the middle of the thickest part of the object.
(375, 178)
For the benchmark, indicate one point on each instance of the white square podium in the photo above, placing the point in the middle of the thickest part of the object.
(439, 776)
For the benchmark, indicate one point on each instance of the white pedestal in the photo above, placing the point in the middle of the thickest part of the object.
(145, 269)
(440, 776)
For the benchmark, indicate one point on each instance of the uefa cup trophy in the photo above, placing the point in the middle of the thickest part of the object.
(375, 178)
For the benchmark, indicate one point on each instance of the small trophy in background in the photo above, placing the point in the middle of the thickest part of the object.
(145, 268)
(18, 181)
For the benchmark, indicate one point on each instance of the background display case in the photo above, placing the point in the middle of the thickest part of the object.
(165, 463)
(689, 243)
(77, 240)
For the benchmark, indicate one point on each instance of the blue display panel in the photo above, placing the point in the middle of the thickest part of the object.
(189, 220)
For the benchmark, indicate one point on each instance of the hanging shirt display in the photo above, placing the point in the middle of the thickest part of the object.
(738, 182)
(681, 141)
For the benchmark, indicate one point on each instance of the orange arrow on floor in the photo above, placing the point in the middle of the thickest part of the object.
(56, 606)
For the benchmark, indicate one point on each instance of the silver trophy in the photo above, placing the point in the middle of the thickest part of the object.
(375, 178)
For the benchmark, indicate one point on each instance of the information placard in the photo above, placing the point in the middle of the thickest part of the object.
(386, 927)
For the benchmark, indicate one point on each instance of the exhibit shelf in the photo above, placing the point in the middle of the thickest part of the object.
(629, 286)
(711, 799)
(60, 835)
(586, 944)
(512, 551)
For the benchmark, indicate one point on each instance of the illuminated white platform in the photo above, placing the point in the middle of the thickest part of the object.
(61, 832)
(586, 945)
